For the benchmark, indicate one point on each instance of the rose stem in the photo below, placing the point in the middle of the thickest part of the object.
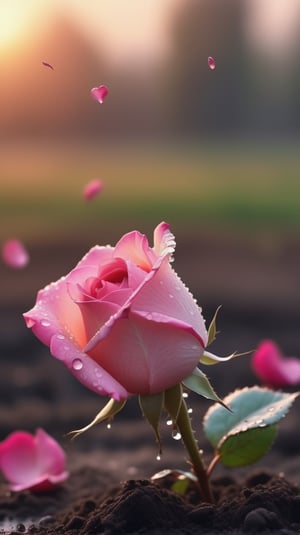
(184, 426)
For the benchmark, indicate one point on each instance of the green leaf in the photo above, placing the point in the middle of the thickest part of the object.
(212, 329)
(151, 407)
(173, 401)
(245, 434)
(246, 447)
(107, 413)
(199, 383)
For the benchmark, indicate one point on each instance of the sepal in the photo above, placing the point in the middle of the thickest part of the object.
(212, 329)
(151, 407)
(107, 413)
(199, 383)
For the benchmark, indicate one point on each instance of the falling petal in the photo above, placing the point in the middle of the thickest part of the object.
(14, 254)
(92, 189)
(99, 93)
(46, 64)
(211, 63)
(273, 368)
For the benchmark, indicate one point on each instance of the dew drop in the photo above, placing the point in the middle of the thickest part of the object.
(190, 411)
(271, 409)
(108, 426)
(211, 63)
(45, 323)
(201, 452)
(262, 425)
(169, 422)
(60, 337)
(161, 283)
(158, 457)
(259, 422)
(171, 296)
(176, 435)
(77, 364)
(185, 395)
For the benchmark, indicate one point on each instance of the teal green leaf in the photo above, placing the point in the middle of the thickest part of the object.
(199, 383)
(246, 447)
(107, 413)
(173, 401)
(247, 432)
(212, 329)
(151, 407)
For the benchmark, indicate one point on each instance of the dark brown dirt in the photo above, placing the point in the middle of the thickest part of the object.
(109, 489)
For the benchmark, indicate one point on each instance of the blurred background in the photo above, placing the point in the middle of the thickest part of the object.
(213, 152)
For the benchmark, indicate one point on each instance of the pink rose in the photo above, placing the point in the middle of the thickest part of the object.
(122, 321)
(32, 462)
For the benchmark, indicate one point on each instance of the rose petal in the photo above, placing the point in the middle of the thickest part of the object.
(46, 64)
(149, 348)
(273, 368)
(88, 372)
(55, 312)
(92, 189)
(167, 295)
(164, 240)
(211, 63)
(14, 254)
(32, 462)
(134, 246)
(100, 93)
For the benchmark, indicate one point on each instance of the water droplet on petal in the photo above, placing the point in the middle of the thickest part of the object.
(190, 411)
(171, 296)
(45, 323)
(185, 395)
(92, 189)
(60, 337)
(169, 422)
(14, 254)
(211, 63)
(271, 409)
(158, 457)
(108, 426)
(100, 93)
(77, 364)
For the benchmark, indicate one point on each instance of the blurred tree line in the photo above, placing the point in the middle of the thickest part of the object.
(245, 95)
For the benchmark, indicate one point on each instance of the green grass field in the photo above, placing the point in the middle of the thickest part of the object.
(242, 188)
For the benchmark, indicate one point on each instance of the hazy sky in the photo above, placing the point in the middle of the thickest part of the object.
(137, 29)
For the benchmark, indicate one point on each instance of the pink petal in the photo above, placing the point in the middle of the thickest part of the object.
(273, 368)
(88, 372)
(46, 64)
(50, 456)
(55, 312)
(28, 462)
(134, 246)
(167, 295)
(14, 254)
(99, 93)
(161, 354)
(164, 240)
(92, 189)
(211, 63)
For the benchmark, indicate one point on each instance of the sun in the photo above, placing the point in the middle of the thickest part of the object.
(16, 18)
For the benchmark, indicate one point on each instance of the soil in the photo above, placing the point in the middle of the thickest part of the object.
(109, 489)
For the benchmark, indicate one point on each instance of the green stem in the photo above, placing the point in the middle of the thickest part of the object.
(184, 426)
